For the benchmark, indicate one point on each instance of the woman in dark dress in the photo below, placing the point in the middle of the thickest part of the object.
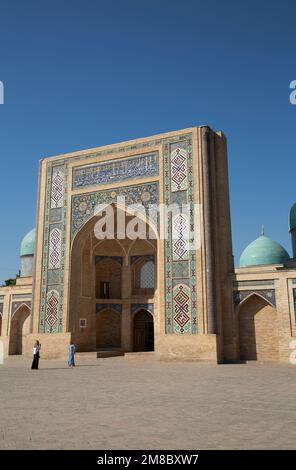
(36, 352)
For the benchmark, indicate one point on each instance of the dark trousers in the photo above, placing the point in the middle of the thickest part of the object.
(35, 362)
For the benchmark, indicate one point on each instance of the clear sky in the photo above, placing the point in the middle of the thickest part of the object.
(80, 74)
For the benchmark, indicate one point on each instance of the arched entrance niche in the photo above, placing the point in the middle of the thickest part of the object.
(258, 330)
(115, 272)
(19, 328)
(143, 327)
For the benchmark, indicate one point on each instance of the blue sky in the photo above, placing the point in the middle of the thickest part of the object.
(80, 74)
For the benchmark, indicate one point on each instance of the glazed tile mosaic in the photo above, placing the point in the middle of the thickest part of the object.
(52, 312)
(181, 300)
(118, 259)
(55, 247)
(179, 171)
(52, 285)
(57, 188)
(115, 171)
(137, 307)
(16, 305)
(268, 294)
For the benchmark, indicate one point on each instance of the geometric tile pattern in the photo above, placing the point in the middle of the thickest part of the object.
(16, 305)
(57, 210)
(180, 269)
(83, 205)
(137, 307)
(294, 300)
(182, 314)
(179, 181)
(55, 248)
(180, 236)
(140, 257)
(145, 276)
(180, 262)
(262, 282)
(267, 294)
(51, 318)
(57, 186)
(117, 170)
(101, 307)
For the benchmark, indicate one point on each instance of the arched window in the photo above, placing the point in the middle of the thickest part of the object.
(147, 276)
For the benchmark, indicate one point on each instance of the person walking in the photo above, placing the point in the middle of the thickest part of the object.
(36, 355)
(71, 362)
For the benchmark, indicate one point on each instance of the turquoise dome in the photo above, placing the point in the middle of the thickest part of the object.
(263, 250)
(28, 243)
(292, 217)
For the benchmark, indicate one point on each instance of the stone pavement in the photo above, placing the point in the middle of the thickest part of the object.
(141, 403)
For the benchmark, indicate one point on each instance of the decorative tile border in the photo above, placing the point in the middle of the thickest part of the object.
(55, 247)
(267, 294)
(176, 190)
(181, 308)
(261, 282)
(294, 302)
(180, 236)
(21, 296)
(118, 259)
(16, 305)
(101, 307)
(83, 205)
(181, 294)
(135, 258)
(114, 171)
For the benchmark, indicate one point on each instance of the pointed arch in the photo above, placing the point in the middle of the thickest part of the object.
(252, 294)
(19, 329)
(258, 329)
(143, 326)
(108, 328)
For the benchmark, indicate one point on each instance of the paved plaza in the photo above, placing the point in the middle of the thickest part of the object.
(142, 403)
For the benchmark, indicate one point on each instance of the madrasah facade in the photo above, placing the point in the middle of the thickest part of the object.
(164, 295)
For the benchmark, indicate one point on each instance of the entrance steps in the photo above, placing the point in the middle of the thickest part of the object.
(99, 353)
(139, 355)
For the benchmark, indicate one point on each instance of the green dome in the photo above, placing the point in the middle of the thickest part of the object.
(263, 250)
(28, 243)
(292, 217)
